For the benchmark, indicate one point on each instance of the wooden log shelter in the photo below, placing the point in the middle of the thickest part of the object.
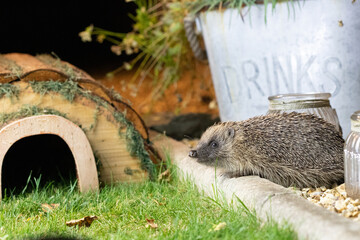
(44, 95)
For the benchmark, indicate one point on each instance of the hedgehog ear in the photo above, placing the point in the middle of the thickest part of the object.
(231, 132)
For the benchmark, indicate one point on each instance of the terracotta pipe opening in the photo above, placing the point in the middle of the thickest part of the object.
(46, 156)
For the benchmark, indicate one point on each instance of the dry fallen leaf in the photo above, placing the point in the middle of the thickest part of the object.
(49, 207)
(85, 221)
(151, 223)
(164, 175)
(341, 24)
(158, 203)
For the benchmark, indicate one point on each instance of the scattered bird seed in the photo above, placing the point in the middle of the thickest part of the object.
(335, 200)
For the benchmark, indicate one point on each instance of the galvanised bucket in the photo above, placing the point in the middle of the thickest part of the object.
(304, 46)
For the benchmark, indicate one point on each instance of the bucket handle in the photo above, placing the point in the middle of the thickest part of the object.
(192, 36)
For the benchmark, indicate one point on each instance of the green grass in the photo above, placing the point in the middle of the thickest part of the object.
(178, 208)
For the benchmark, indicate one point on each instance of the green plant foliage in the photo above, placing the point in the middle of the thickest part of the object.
(158, 38)
(177, 207)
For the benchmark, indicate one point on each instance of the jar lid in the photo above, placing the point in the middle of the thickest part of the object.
(356, 116)
(300, 96)
(295, 101)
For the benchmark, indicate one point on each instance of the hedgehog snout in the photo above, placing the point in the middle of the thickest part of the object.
(193, 154)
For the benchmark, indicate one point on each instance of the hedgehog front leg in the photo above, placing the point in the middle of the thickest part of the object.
(237, 173)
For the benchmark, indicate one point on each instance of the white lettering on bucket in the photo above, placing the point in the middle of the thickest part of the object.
(244, 79)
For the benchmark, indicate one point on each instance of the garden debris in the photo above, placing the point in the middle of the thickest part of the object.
(158, 203)
(151, 223)
(49, 207)
(335, 200)
(85, 221)
(218, 227)
(164, 175)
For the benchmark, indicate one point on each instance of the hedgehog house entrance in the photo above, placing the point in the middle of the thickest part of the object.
(46, 157)
(48, 145)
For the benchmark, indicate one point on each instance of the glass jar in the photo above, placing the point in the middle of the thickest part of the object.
(312, 103)
(352, 158)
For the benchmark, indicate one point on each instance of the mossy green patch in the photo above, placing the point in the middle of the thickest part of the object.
(135, 143)
(8, 90)
(116, 95)
(68, 89)
(57, 63)
(95, 117)
(27, 111)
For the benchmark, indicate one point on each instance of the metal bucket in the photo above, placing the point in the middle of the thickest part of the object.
(305, 46)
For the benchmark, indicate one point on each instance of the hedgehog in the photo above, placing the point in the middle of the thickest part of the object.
(290, 149)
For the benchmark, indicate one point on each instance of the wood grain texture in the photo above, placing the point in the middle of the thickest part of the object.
(103, 133)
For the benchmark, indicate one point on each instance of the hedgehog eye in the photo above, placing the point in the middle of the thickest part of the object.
(214, 144)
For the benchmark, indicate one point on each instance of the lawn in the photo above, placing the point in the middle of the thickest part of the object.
(172, 209)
